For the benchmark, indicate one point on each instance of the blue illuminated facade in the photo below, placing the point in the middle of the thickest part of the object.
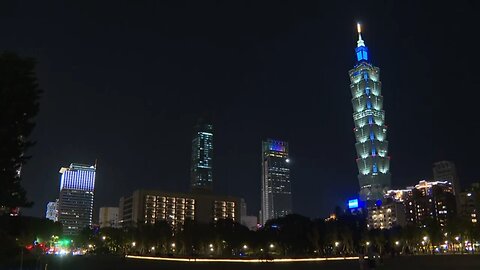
(75, 203)
(202, 156)
(276, 188)
(370, 130)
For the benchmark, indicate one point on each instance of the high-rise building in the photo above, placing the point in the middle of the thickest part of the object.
(202, 155)
(370, 130)
(52, 211)
(431, 202)
(75, 204)
(108, 217)
(470, 204)
(276, 187)
(446, 171)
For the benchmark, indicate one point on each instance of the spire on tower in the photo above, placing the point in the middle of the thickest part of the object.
(360, 40)
(361, 50)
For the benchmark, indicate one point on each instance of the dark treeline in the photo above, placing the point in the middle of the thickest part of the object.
(289, 236)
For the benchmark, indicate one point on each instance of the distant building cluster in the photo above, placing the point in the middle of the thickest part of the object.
(426, 203)
(74, 207)
(438, 201)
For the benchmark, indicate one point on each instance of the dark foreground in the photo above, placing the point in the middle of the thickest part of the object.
(437, 262)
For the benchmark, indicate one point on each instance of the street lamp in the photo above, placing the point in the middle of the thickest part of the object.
(153, 248)
(272, 246)
(337, 244)
(367, 243)
(245, 247)
(133, 244)
(104, 237)
(425, 238)
(397, 243)
(173, 245)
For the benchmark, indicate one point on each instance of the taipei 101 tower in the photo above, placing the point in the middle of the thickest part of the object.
(370, 130)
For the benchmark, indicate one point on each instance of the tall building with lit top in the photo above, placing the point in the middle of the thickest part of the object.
(276, 188)
(75, 203)
(370, 130)
(202, 156)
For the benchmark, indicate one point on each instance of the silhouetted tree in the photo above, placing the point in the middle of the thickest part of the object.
(19, 94)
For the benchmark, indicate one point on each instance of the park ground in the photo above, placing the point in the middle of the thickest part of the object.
(437, 262)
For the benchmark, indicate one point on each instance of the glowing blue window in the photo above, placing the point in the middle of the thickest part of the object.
(369, 104)
(367, 91)
(374, 169)
(372, 136)
(370, 120)
(374, 152)
(359, 56)
(365, 55)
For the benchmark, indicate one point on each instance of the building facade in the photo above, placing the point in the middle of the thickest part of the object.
(385, 215)
(470, 204)
(276, 187)
(202, 157)
(150, 206)
(52, 211)
(75, 204)
(108, 217)
(431, 202)
(370, 130)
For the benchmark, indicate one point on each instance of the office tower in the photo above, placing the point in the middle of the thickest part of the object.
(108, 217)
(202, 155)
(370, 130)
(75, 205)
(52, 211)
(276, 188)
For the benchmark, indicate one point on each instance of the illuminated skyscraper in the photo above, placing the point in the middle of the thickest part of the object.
(75, 205)
(276, 188)
(370, 130)
(202, 154)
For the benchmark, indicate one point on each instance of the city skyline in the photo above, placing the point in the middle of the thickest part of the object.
(143, 82)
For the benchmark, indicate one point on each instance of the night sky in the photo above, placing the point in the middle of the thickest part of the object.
(125, 82)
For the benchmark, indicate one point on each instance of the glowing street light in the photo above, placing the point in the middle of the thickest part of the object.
(397, 243)
(104, 237)
(90, 246)
(173, 245)
(245, 247)
(133, 244)
(211, 245)
(457, 238)
(425, 238)
(153, 248)
(272, 246)
(337, 244)
(367, 243)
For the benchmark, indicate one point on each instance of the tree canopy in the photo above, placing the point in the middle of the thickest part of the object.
(19, 104)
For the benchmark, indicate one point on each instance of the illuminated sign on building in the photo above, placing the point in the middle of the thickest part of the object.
(352, 203)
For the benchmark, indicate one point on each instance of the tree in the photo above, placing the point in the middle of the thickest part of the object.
(19, 95)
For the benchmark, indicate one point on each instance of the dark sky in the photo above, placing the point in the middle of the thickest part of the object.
(125, 82)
